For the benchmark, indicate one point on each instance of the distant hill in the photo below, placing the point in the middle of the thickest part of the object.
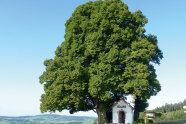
(46, 119)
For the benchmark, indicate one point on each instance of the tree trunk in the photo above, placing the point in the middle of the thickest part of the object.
(136, 107)
(101, 117)
(136, 114)
(139, 106)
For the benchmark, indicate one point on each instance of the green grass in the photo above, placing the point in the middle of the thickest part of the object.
(173, 122)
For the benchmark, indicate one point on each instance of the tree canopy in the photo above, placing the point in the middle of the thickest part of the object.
(106, 55)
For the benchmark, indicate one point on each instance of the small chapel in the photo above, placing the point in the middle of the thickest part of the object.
(122, 112)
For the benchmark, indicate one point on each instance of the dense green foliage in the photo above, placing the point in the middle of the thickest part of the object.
(46, 119)
(105, 56)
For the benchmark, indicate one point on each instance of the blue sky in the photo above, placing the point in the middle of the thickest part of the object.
(30, 31)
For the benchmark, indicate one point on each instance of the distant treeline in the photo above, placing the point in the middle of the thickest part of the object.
(171, 107)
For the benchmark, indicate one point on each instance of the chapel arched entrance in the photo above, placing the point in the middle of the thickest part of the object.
(121, 117)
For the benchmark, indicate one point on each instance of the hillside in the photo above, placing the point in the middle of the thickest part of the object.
(46, 119)
(170, 107)
(168, 112)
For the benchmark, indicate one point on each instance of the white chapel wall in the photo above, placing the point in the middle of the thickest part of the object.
(128, 111)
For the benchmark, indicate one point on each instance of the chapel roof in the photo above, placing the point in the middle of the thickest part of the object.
(122, 99)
